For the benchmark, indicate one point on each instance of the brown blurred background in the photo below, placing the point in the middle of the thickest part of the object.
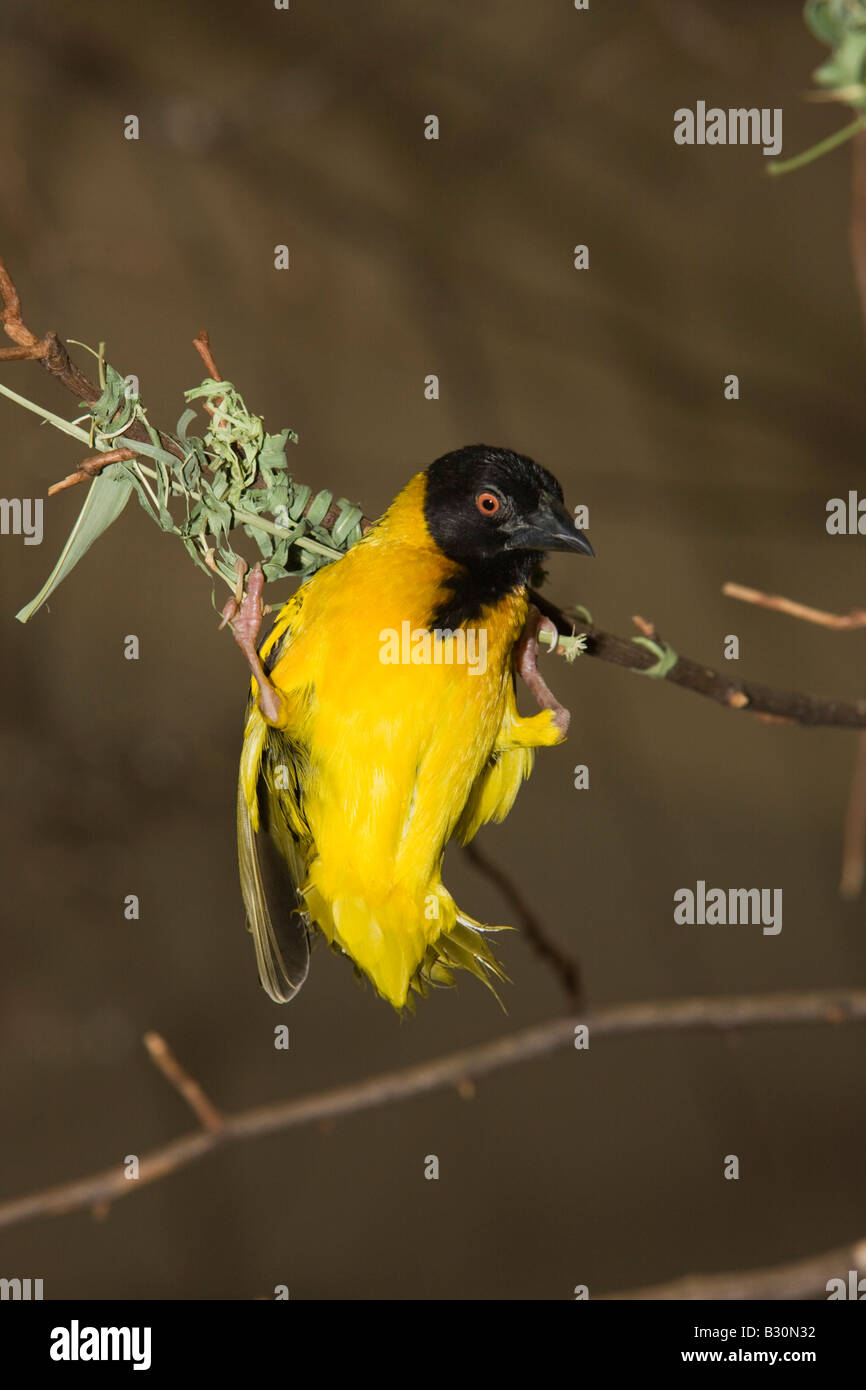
(412, 257)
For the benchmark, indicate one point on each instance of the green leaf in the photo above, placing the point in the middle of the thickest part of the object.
(106, 498)
(824, 21)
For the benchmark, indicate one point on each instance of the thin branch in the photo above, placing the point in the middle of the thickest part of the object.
(854, 835)
(202, 347)
(53, 354)
(564, 965)
(841, 622)
(801, 1279)
(163, 1057)
(653, 1016)
(28, 345)
(799, 708)
(810, 710)
(857, 223)
(91, 468)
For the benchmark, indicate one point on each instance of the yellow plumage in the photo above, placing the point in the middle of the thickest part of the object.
(373, 767)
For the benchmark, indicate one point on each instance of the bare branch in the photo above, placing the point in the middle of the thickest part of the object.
(801, 1279)
(564, 965)
(841, 622)
(202, 347)
(857, 223)
(53, 353)
(189, 1089)
(653, 1016)
(811, 710)
(854, 835)
(91, 468)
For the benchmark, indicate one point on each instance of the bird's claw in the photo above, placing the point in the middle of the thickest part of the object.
(526, 666)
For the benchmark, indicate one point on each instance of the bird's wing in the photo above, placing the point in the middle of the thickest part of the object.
(272, 837)
(493, 792)
(271, 862)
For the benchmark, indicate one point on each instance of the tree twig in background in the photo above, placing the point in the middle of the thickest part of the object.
(840, 622)
(184, 1084)
(810, 710)
(854, 835)
(564, 965)
(800, 1279)
(613, 1020)
(857, 222)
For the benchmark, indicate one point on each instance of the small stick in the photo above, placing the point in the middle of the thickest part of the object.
(647, 628)
(165, 1060)
(202, 347)
(854, 836)
(564, 965)
(91, 468)
(798, 1280)
(29, 346)
(841, 622)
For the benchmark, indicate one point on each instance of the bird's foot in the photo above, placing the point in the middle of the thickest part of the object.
(243, 613)
(526, 666)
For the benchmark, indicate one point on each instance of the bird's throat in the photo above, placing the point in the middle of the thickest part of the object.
(467, 594)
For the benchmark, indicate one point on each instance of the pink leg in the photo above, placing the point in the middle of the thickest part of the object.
(244, 617)
(526, 666)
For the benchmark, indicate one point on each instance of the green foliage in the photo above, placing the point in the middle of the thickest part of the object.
(842, 25)
(234, 475)
(106, 498)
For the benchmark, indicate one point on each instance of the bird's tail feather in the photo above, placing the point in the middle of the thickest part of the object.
(463, 947)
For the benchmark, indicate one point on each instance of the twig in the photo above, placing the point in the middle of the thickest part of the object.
(165, 1060)
(28, 345)
(857, 223)
(202, 347)
(53, 353)
(90, 468)
(644, 626)
(801, 1279)
(653, 1016)
(841, 622)
(854, 834)
(810, 710)
(564, 965)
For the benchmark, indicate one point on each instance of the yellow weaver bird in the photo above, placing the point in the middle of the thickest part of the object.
(382, 723)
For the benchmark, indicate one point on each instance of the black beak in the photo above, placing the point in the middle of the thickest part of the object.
(549, 528)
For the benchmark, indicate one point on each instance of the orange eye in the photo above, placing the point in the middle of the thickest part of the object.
(487, 503)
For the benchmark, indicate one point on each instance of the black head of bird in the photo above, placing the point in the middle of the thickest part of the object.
(494, 514)
(483, 504)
